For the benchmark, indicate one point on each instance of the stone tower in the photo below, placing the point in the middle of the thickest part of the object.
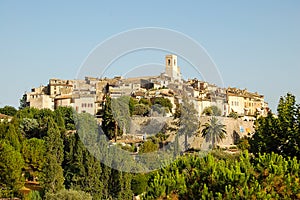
(172, 70)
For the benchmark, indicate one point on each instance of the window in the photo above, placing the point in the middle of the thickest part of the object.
(169, 62)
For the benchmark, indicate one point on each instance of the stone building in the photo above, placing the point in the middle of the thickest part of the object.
(172, 70)
(60, 87)
(246, 103)
(39, 98)
(89, 95)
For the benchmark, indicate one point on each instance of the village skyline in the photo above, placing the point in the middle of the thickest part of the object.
(254, 44)
(89, 94)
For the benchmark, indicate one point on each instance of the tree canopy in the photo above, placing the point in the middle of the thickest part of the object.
(213, 131)
(281, 133)
(41, 146)
(8, 110)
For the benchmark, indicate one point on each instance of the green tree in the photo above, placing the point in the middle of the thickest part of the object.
(68, 116)
(68, 195)
(148, 146)
(145, 102)
(23, 102)
(8, 110)
(188, 121)
(34, 151)
(141, 109)
(11, 164)
(125, 191)
(120, 185)
(233, 115)
(30, 128)
(212, 111)
(279, 134)
(164, 102)
(267, 176)
(59, 120)
(243, 144)
(121, 113)
(81, 169)
(33, 195)
(139, 183)
(52, 177)
(132, 103)
(267, 137)
(213, 131)
(12, 136)
(109, 124)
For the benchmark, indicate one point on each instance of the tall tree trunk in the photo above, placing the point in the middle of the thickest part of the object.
(116, 130)
(186, 141)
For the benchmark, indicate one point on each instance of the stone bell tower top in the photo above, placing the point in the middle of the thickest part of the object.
(172, 70)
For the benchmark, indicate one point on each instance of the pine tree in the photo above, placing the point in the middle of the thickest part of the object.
(11, 164)
(279, 134)
(188, 121)
(109, 124)
(52, 178)
(81, 169)
(34, 151)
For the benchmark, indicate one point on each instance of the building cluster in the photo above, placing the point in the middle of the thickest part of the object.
(89, 95)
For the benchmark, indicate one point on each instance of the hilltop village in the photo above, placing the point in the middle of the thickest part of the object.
(89, 95)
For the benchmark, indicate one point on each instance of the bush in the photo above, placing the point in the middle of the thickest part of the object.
(130, 148)
(148, 146)
(8, 110)
(243, 144)
(164, 102)
(212, 111)
(139, 183)
(33, 195)
(233, 115)
(68, 194)
(141, 109)
(145, 102)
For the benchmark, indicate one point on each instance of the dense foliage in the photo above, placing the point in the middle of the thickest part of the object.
(281, 133)
(42, 147)
(212, 111)
(8, 110)
(267, 176)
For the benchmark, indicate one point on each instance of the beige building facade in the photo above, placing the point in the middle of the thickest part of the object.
(246, 103)
(89, 95)
(172, 70)
(39, 98)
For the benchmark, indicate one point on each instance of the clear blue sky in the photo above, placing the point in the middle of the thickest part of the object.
(255, 44)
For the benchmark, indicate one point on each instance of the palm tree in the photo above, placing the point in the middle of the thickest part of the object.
(213, 131)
